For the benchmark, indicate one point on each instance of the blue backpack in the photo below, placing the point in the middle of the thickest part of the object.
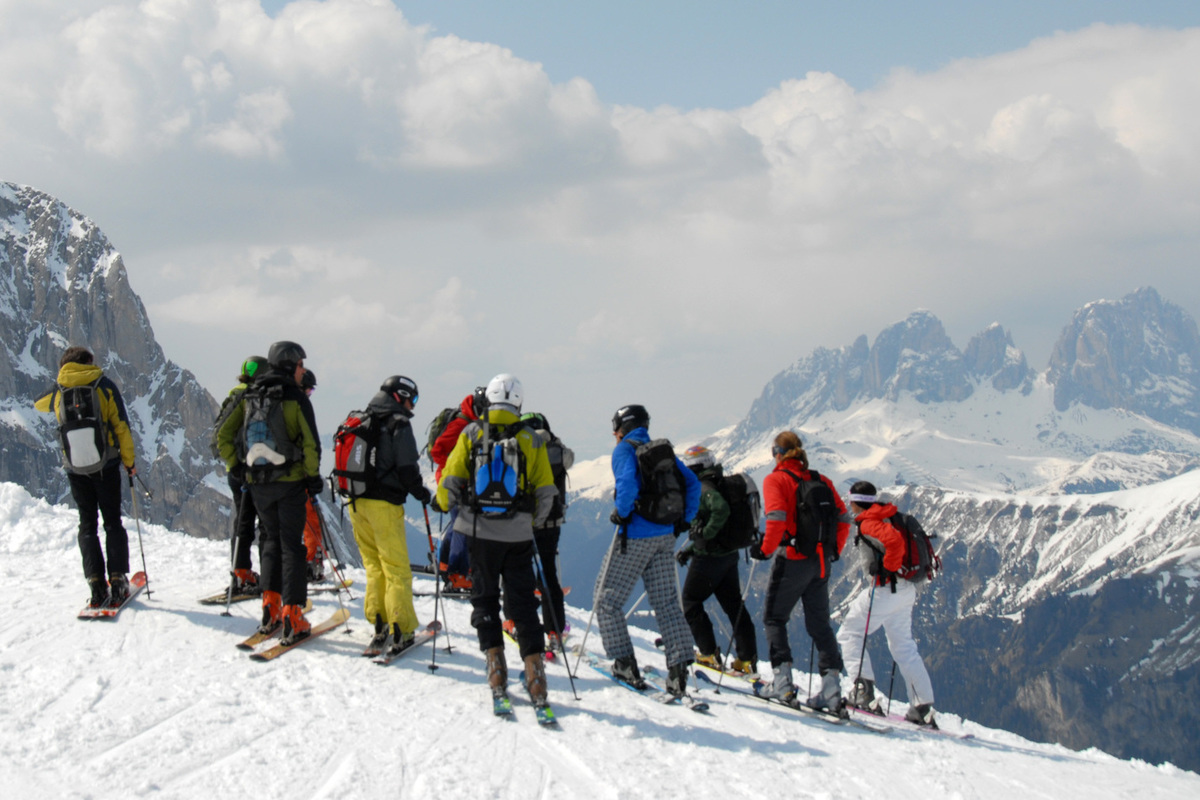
(495, 489)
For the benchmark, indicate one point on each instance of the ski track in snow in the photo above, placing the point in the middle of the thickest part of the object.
(161, 704)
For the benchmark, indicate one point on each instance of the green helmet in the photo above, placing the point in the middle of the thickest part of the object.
(536, 421)
(252, 366)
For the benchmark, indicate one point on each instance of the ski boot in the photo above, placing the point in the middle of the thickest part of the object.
(677, 679)
(709, 660)
(535, 679)
(118, 589)
(272, 614)
(625, 669)
(295, 626)
(497, 672)
(245, 581)
(782, 688)
(747, 667)
(829, 698)
(862, 697)
(922, 715)
(99, 589)
(380, 638)
(315, 570)
(400, 641)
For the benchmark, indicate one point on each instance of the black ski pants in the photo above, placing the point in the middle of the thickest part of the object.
(717, 575)
(244, 518)
(100, 493)
(509, 563)
(793, 581)
(282, 508)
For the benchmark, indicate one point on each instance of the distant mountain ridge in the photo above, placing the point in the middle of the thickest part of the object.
(63, 283)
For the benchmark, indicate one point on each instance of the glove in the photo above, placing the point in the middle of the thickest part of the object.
(238, 472)
(617, 519)
(874, 568)
(696, 532)
(422, 495)
(681, 526)
(757, 554)
(314, 485)
(683, 556)
(435, 505)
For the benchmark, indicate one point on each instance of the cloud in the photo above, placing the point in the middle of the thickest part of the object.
(340, 165)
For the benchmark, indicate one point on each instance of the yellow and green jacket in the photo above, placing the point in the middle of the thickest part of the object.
(112, 407)
(299, 432)
(537, 481)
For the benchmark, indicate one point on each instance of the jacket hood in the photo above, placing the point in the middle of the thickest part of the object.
(74, 374)
(467, 407)
(638, 435)
(384, 404)
(502, 416)
(880, 511)
(713, 473)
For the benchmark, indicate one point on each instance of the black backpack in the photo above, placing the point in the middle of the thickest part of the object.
(263, 442)
(921, 561)
(82, 429)
(663, 492)
(745, 509)
(816, 517)
(437, 427)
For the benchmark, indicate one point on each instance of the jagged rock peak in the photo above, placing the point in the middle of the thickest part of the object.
(917, 356)
(992, 355)
(1138, 353)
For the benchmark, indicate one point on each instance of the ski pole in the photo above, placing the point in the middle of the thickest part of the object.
(541, 576)
(603, 576)
(891, 684)
(635, 605)
(137, 521)
(239, 508)
(866, 631)
(736, 622)
(437, 603)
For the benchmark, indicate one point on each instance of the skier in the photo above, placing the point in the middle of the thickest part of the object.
(281, 485)
(547, 535)
(499, 516)
(378, 516)
(713, 570)
(453, 560)
(245, 579)
(314, 549)
(795, 578)
(644, 549)
(889, 605)
(94, 430)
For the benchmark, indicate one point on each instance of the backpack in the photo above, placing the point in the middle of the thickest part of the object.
(437, 427)
(355, 448)
(227, 407)
(263, 443)
(494, 488)
(921, 561)
(816, 517)
(663, 492)
(82, 429)
(745, 509)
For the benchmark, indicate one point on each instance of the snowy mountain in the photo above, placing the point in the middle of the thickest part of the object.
(160, 703)
(1066, 501)
(63, 283)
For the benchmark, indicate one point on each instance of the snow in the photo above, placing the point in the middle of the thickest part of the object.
(161, 704)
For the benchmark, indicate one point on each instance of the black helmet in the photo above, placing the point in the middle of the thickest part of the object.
(309, 381)
(536, 420)
(252, 367)
(285, 355)
(400, 388)
(479, 401)
(629, 417)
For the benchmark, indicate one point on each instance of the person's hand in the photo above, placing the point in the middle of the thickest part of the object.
(422, 495)
(683, 556)
(617, 519)
(314, 485)
(682, 526)
(132, 470)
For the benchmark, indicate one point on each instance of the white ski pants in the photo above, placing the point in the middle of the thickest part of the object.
(892, 612)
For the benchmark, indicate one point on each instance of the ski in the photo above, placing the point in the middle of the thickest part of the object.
(339, 616)
(453, 594)
(652, 690)
(423, 635)
(545, 714)
(330, 587)
(824, 716)
(255, 639)
(136, 584)
(219, 599)
(502, 706)
(900, 723)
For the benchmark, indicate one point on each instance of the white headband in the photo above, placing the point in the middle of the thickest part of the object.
(864, 498)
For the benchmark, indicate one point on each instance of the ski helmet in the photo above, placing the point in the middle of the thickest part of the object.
(505, 390)
(252, 366)
(309, 381)
(629, 417)
(698, 458)
(400, 388)
(285, 355)
(536, 420)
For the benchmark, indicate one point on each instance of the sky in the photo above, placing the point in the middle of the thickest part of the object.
(656, 203)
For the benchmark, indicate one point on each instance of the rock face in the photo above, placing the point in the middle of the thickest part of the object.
(1138, 353)
(62, 283)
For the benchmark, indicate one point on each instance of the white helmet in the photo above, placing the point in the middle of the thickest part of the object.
(505, 390)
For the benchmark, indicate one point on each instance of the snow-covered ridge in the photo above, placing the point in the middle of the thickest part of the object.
(161, 704)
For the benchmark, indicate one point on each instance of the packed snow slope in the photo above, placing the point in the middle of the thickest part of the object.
(161, 704)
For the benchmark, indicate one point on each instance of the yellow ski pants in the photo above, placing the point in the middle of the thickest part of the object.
(380, 532)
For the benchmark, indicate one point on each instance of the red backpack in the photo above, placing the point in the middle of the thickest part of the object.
(354, 451)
